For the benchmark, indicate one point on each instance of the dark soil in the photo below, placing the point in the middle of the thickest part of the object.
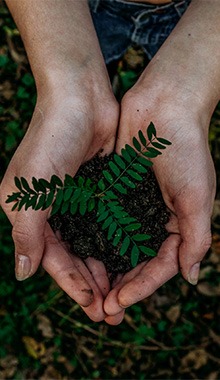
(84, 235)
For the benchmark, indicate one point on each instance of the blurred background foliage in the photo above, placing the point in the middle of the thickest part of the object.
(175, 334)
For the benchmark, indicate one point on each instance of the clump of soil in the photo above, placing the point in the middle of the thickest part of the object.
(84, 235)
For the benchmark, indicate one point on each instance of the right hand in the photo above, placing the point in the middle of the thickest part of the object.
(65, 131)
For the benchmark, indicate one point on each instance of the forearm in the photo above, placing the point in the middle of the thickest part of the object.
(189, 60)
(59, 38)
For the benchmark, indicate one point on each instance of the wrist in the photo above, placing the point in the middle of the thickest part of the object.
(175, 91)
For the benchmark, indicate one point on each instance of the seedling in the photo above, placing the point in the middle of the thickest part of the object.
(82, 195)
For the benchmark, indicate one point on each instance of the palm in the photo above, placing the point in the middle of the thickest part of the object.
(186, 177)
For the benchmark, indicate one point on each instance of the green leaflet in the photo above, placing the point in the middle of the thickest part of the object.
(134, 255)
(119, 161)
(114, 168)
(151, 131)
(125, 245)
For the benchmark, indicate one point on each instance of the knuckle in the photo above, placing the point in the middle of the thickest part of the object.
(22, 237)
(51, 239)
(20, 234)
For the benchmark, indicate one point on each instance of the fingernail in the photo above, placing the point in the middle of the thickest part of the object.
(23, 267)
(194, 274)
(123, 306)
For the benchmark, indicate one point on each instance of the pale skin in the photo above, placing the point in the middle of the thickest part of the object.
(77, 115)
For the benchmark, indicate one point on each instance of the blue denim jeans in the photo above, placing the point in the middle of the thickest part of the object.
(120, 24)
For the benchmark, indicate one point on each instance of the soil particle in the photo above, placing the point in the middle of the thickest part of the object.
(84, 236)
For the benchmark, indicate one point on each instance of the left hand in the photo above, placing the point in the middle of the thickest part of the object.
(186, 177)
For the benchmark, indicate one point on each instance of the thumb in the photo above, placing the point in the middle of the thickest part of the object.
(28, 237)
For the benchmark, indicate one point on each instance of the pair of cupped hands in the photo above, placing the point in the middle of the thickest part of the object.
(69, 127)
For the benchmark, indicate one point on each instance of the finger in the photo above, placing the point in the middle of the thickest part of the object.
(111, 305)
(151, 276)
(99, 273)
(116, 319)
(28, 237)
(72, 275)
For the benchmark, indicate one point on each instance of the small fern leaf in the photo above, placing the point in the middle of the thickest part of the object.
(125, 245)
(144, 161)
(32, 202)
(111, 230)
(23, 201)
(126, 220)
(141, 237)
(156, 152)
(101, 185)
(119, 161)
(13, 197)
(91, 204)
(120, 188)
(50, 198)
(101, 207)
(163, 141)
(103, 216)
(114, 168)
(83, 201)
(126, 155)
(55, 208)
(40, 202)
(86, 195)
(26, 186)
(158, 145)
(64, 207)
(142, 138)
(67, 194)
(132, 227)
(69, 181)
(134, 175)
(147, 251)
(108, 176)
(88, 183)
(107, 222)
(115, 207)
(35, 183)
(131, 150)
(18, 183)
(128, 182)
(151, 131)
(45, 184)
(117, 237)
(56, 181)
(151, 153)
(135, 252)
(110, 195)
(74, 208)
(76, 195)
(136, 144)
(82, 206)
(139, 168)
(121, 215)
(81, 181)
(15, 206)
(114, 204)
(59, 197)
